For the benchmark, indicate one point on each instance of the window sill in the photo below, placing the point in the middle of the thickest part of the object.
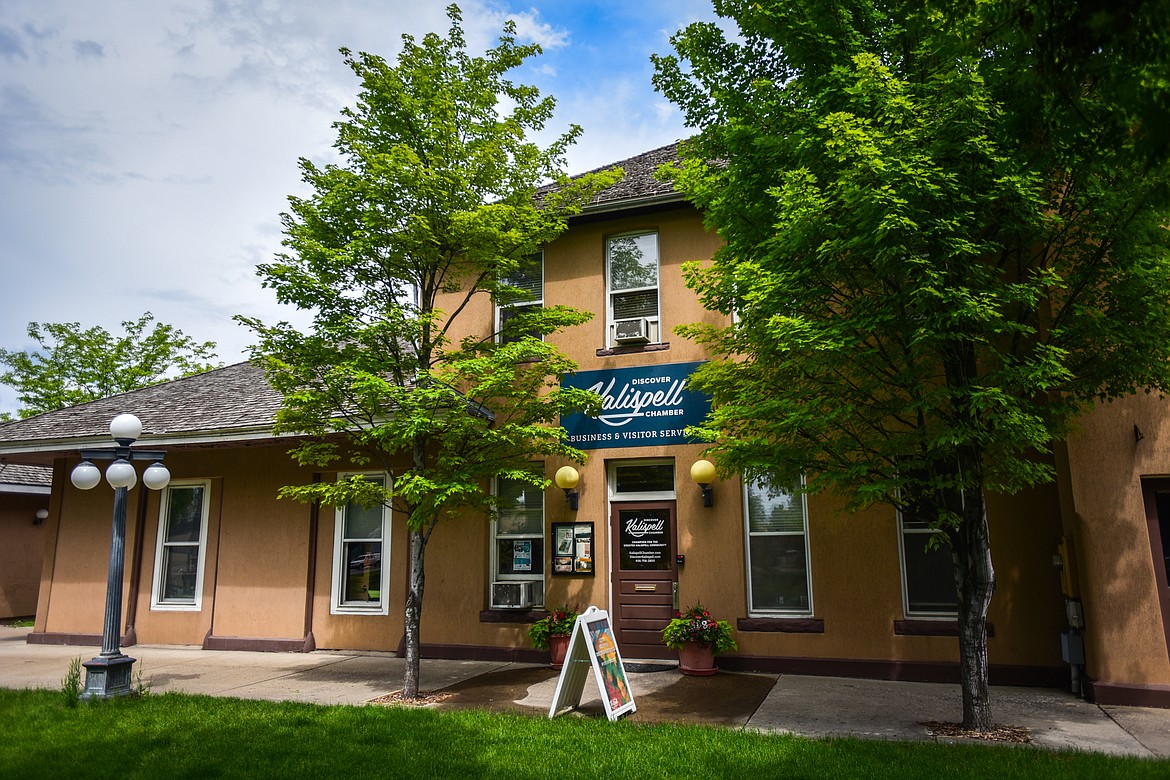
(782, 625)
(512, 615)
(633, 350)
(922, 627)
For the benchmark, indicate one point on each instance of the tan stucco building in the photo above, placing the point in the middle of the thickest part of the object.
(217, 560)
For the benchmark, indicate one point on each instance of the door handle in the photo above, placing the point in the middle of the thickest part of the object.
(674, 595)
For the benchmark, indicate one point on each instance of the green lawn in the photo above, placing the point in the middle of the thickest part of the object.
(178, 735)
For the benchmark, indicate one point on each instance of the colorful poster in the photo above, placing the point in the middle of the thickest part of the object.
(522, 556)
(613, 674)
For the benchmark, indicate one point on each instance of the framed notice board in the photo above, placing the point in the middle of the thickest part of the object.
(572, 548)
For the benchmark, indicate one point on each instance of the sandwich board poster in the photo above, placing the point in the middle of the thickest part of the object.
(593, 648)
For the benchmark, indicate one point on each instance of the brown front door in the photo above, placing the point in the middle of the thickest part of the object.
(644, 573)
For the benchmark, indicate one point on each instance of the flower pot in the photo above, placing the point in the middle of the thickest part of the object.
(558, 647)
(696, 660)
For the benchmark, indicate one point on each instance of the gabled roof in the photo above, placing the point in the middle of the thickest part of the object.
(228, 404)
(639, 185)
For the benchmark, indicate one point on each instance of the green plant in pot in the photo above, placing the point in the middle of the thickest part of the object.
(552, 632)
(698, 638)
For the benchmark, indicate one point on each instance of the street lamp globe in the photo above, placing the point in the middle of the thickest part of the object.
(121, 474)
(156, 476)
(125, 428)
(85, 476)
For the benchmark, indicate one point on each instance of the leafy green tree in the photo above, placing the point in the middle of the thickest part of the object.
(73, 365)
(945, 231)
(433, 204)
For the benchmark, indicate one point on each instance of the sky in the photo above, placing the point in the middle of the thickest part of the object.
(147, 149)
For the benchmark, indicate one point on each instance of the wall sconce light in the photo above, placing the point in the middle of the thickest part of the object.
(40, 517)
(1137, 433)
(567, 479)
(703, 473)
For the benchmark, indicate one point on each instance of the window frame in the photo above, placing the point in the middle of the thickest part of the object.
(610, 292)
(500, 308)
(157, 602)
(924, 533)
(647, 495)
(494, 574)
(753, 611)
(337, 604)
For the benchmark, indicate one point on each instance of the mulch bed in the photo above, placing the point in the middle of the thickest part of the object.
(998, 733)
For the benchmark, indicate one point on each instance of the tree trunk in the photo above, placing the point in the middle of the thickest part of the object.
(413, 616)
(975, 583)
(414, 595)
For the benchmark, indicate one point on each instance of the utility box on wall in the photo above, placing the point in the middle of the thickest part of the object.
(1072, 648)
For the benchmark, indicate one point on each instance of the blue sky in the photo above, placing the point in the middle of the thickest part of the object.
(148, 149)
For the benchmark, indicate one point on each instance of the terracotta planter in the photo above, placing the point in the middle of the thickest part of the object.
(696, 660)
(558, 647)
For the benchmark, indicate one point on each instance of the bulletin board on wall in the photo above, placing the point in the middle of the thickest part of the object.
(573, 549)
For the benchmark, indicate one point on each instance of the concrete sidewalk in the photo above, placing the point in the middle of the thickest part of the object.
(808, 706)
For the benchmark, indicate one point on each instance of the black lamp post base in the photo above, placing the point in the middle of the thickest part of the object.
(107, 677)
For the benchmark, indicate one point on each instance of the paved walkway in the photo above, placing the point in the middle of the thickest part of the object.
(809, 706)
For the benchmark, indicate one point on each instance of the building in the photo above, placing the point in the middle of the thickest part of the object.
(218, 560)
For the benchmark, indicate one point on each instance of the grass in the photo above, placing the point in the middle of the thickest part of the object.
(178, 736)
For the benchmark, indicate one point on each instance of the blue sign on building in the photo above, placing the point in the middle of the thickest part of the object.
(641, 406)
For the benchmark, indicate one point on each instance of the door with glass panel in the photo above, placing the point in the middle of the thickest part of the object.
(644, 576)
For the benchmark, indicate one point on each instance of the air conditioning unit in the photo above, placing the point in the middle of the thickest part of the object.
(632, 331)
(514, 595)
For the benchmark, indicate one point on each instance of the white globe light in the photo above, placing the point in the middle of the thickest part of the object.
(121, 474)
(156, 476)
(567, 478)
(125, 426)
(85, 476)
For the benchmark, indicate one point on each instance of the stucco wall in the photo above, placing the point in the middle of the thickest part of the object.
(1124, 636)
(22, 546)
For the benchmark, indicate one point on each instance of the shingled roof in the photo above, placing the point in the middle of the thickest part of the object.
(15, 478)
(637, 186)
(232, 403)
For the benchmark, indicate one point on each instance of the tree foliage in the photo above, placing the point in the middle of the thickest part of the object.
(72, 365)
(945, 231)
(432, 205)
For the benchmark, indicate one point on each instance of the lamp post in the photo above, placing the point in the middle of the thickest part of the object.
(108, 675)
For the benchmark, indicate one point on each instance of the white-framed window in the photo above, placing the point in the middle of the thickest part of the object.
(361, 556)
(631, 278)
(182, 546)
(529, 277)
(776, 519)
(517, 559)
(928, 575)
(650, 479)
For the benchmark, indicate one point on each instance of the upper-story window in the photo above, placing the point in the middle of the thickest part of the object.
(529, 277)
(632, 305)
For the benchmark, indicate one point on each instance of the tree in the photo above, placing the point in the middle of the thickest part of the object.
(74, 365)
(433, 203)
(945, 239)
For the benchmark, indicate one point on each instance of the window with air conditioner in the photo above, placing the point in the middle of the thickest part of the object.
(527, 282)
(517, 546)
(632, 305)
